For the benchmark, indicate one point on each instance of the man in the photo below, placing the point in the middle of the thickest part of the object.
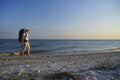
(25, 42)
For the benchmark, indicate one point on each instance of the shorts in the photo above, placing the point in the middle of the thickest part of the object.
(26, 46)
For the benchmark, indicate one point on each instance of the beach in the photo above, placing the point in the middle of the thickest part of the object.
(94, 66)
(59, 39)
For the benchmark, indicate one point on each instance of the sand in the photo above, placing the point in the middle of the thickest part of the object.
(94, 66)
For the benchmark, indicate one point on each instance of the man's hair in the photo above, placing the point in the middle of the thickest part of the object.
(27, 28)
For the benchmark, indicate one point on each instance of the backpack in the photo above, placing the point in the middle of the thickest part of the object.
(21, 32)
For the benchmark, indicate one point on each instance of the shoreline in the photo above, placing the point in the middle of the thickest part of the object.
(40, 66)
(43, 53)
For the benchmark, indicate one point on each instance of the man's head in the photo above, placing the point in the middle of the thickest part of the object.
(27, 29)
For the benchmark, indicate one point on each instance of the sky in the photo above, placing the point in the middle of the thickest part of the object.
(60, 19)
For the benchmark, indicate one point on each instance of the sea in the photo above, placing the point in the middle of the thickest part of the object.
(60, 46)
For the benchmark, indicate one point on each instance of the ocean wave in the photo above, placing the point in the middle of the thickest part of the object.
(66, 47)
(9, 53)
(40, 51)
(112, 50)
(14, 53)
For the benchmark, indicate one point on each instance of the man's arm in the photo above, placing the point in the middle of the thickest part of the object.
(23, 40)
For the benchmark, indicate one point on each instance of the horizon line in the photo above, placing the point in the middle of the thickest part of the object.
(59, 39)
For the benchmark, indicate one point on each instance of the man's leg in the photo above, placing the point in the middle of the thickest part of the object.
(23, 52)
(28, 45)
(29, 53)
(23, 49)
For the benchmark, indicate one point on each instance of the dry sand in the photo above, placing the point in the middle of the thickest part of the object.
(94, 66)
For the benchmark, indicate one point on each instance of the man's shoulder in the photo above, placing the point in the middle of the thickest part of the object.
(24, 34)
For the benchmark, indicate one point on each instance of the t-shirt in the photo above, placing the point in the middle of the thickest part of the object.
(26, 36)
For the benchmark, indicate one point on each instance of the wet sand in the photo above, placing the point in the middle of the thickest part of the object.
(94, 66)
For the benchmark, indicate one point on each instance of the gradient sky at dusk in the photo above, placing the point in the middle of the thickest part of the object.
(61, 19)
